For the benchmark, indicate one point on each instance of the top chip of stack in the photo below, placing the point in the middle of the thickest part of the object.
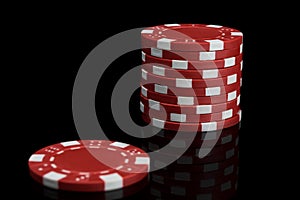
(193, 69)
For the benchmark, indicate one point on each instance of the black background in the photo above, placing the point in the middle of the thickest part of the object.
(48, 47)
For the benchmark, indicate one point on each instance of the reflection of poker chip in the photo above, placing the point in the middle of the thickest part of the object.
(183, 140)
(193, 74)
(181, 82)
(191, 37)
(89, 165)
(193, 55)
(191, 190)
(200, 172)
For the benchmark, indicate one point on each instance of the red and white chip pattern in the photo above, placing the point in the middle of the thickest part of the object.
(193, 65)
(86, 165)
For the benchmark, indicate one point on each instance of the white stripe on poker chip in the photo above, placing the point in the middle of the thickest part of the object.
(212, 91)
(144, 74)
(156, 52)
(227, 114)
(177, 117)
(51, 179)
(142, 107)
(213, 73)
(226, 186)
(37, 158)
(142, 161)
(185, 100)
(231, 95)
(179, 64)
(147, 31)
(178, 190)
(144, 91)
(241, 82)
(241, 48)
(231, 79)
(161, 89)
(209, 126)
(215, 45)
(171, 25)
(229, 62)
(119, 144)
(112, 181)
(241, 65)
(184, 176)
(184, 83)
(236, 34)
(143, 56)
(158, 123)
(240, 115)
(210, 167)
(164, 43)
(185, 160)
(214, 26)
(238, 100)
(158, 70)
(154, 104)
(203, 109)
(207, 55)
(70, 143)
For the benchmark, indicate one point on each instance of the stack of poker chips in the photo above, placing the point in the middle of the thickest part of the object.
(190, 83)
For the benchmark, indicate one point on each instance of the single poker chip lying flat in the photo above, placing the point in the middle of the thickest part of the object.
(189, 100)
(190, 83)
(89, 165)
(191, 37)
(194, 55)
(193, 74)
(225, 63)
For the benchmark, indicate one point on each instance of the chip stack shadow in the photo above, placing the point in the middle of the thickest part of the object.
(191, 78)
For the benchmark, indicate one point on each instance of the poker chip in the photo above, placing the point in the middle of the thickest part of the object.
(194, 109)
(193, 74)
(193, 55)
(89, 165)
(190, 83)
(191, 37)
(225, 63)
(188, 118)
(198, 92)
(191, 127)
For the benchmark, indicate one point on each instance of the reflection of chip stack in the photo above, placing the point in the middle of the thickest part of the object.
(191, 79)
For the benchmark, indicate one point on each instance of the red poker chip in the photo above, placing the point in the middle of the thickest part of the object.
(199, 92)
(194, 109)
(193, 74)
(191, 37)
(148, 77)
(189, 118)
(193, 55)
(189, 100)
(193, 127)
(87, 165)
(224, 63)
